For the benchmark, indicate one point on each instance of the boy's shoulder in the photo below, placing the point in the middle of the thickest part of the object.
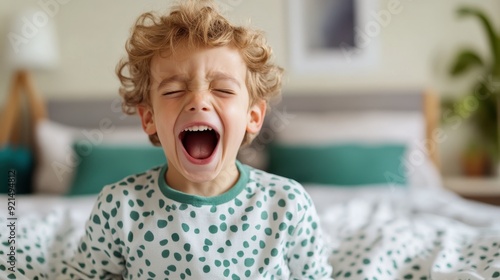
(264, 177)
(279, 185)
(134, 184)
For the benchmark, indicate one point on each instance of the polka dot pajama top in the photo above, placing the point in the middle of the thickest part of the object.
(264, 227)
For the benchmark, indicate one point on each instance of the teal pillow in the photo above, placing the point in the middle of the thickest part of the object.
(101, 165)
(16, 162)
(340, 164)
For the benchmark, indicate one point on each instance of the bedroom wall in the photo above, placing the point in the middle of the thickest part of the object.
(414, 46)
(92, 35)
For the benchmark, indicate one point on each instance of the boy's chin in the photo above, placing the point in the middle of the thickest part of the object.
(213, 169)
(214, 172)
(200, 173)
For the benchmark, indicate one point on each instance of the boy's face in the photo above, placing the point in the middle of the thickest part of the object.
(200, 109)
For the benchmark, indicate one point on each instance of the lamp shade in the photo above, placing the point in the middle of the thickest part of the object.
(32, 41)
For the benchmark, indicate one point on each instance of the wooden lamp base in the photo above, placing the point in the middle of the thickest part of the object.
(11, 114)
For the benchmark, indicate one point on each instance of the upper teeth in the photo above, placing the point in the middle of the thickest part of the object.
(198, 128)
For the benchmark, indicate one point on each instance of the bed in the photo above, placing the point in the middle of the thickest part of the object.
(397, 223)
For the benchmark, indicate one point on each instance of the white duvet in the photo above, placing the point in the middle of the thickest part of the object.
(374, 233)
(427, 234)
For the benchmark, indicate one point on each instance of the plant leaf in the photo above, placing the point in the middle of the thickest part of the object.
(464, 61)
(491, 33)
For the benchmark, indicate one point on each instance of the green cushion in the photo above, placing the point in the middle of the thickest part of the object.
(341, 164)
(105, 164)
(18, 162)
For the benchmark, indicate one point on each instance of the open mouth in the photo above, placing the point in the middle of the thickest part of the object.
(199, 141)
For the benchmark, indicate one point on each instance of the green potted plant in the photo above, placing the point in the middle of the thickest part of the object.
(481, 104)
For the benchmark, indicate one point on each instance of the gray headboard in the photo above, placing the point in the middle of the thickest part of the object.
(88, 113)
(410, 100)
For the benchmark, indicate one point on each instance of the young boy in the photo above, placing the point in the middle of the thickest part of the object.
(200, 86)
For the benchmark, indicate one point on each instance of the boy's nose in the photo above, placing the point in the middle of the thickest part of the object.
(198, 102)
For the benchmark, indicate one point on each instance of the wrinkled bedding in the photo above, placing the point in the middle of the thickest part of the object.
(413, 238)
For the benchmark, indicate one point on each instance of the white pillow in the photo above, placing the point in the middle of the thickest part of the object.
(372, 127)
(56, 159)
(57, 162)
(365, 127)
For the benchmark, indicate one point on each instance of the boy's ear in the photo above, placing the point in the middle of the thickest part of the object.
(147, 119)
(256, 114)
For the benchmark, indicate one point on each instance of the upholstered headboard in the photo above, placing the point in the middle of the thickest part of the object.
(88, 113)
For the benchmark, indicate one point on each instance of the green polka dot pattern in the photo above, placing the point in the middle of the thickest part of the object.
(253, 231)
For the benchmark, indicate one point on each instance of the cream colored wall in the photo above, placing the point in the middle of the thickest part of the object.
(92, 35)
(415, 45)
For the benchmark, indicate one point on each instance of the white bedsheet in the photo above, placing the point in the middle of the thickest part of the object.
(384, 233)
(435, 200)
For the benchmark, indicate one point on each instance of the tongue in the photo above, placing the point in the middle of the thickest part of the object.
(201, 144)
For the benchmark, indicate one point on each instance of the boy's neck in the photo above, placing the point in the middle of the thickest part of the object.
(222, 183)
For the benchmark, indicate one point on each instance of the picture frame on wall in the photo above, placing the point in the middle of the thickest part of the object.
(333, 35)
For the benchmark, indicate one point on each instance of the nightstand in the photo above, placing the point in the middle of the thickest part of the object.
(485, 190)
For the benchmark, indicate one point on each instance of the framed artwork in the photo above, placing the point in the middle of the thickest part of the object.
(333, 35)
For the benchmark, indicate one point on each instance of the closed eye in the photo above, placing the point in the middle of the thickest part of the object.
(227, 91)
(172, 92)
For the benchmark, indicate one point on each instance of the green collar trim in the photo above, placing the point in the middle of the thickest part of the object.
(201, 200)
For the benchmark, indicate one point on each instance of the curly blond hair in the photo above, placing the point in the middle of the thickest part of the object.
(199, 24)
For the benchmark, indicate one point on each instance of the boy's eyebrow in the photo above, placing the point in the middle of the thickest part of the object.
(174, 78)
(223, 76)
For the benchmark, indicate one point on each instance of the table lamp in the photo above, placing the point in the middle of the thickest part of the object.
(31, 46)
